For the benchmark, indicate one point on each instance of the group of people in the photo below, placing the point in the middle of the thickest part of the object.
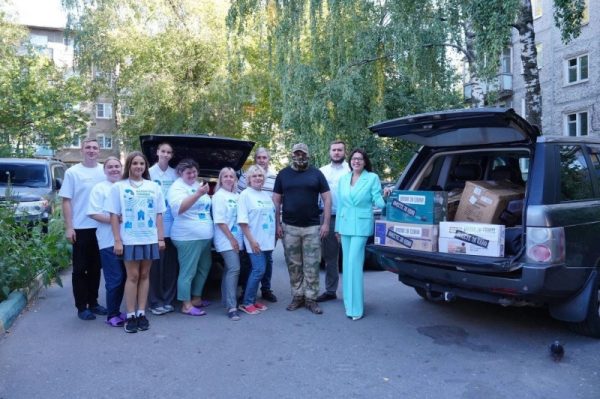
(151, 230)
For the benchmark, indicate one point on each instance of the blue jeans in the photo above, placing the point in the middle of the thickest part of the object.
(230, 277)
(259, 262)
(265, 282)
(114, 280)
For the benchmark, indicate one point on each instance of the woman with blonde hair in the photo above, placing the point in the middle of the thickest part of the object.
(256, 217)
(228, 238)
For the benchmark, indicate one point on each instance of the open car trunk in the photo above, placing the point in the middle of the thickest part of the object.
(461, 149)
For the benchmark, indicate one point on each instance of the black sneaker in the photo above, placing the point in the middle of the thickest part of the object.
(131, 325)
(326, 296)
(142, 323)
(268, 295)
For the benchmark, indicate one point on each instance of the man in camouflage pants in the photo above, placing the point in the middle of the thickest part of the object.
(297, 188)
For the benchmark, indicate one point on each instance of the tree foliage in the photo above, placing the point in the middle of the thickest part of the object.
(38, 104)
(165, 60)
(339, 66)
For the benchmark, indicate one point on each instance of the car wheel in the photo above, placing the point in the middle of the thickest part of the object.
(591, 325)
(432, 296)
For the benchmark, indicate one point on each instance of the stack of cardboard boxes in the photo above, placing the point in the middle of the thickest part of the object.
(420, 220)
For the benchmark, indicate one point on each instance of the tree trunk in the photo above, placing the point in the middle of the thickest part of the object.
(477, 94)
(531, 76)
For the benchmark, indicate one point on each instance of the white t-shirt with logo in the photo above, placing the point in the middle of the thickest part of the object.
(77, 185)
(195, 223)
(224, 208)
(165, 180)
(256, 208)
(98, 197)
(138, 206)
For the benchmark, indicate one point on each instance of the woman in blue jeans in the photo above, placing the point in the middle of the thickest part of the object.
(228, 239)
(256, 217)
(112, 265)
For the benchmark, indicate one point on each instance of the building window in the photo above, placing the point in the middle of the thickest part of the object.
(577, 124)
(536, 8)
(577, 69)
(540, 60)
(76, 143)
(506, 60)
(104, 142)
(103, 111)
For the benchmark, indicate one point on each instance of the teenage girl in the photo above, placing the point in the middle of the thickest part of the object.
(136, 206)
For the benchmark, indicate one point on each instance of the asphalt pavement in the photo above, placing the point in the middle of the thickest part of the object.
(405, 347)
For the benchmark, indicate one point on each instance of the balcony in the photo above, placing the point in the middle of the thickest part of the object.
(502, 84)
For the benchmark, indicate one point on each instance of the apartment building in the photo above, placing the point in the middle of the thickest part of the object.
(569, 73)
(52, 42)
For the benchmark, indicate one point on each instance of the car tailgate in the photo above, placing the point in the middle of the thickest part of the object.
(388, 257)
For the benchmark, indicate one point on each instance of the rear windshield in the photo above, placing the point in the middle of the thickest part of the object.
(23, 175)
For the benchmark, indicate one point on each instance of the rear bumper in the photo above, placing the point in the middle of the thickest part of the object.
(524, 283)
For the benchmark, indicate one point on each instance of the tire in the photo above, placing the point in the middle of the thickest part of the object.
(433, 296)
(591, 325)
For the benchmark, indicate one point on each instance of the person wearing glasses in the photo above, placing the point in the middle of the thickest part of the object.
(357, 193)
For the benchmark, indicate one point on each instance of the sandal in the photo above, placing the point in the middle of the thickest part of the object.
(194, 311)
(115, 321)
(203, 303)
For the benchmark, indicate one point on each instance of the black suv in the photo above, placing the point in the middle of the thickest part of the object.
(552, 257)
(32, 184)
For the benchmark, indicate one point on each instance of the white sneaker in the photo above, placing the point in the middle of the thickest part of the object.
(159, 310)
(169, 308)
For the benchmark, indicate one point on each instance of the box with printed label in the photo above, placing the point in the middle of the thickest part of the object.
(484, 201)
(420, 237)
(472, 238)
(421, 207)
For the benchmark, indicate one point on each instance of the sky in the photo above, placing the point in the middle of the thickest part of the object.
(39, 12)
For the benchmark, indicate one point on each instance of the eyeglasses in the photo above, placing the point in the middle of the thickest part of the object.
(357, 159)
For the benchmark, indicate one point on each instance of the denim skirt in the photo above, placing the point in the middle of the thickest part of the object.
(140, 252)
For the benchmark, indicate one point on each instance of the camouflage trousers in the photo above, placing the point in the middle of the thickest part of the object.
(302, 247)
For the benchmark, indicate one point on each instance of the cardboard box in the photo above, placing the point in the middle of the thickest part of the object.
(421, 207)
(420, 237)
(472, 238)
(484, 201)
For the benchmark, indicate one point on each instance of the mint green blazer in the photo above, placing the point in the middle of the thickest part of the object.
(354, 215)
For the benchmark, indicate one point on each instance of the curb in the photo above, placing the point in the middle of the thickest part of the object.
(16, 302)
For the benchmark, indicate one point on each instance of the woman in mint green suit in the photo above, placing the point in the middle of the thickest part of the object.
(357, 192)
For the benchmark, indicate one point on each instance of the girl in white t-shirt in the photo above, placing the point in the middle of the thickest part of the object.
(192, 234)
(163, 274)
(136, 206)
(256, 217)
(112, 266)
(228, 237)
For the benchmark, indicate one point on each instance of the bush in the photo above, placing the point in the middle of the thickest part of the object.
(26, 251)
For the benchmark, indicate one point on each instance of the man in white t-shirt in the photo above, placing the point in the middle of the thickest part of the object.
(330, 246)
(262, 158)
(80, 229)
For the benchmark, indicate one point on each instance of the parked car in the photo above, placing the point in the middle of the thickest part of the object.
(32, 185)
(552, 257)
(211, 153)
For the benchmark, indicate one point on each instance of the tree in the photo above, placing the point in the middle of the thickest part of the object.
(38, 104)
(339, 66)
(165, 60)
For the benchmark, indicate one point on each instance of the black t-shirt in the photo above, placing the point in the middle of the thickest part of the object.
(300, 195)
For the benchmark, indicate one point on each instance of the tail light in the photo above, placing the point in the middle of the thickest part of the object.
(545, 244)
